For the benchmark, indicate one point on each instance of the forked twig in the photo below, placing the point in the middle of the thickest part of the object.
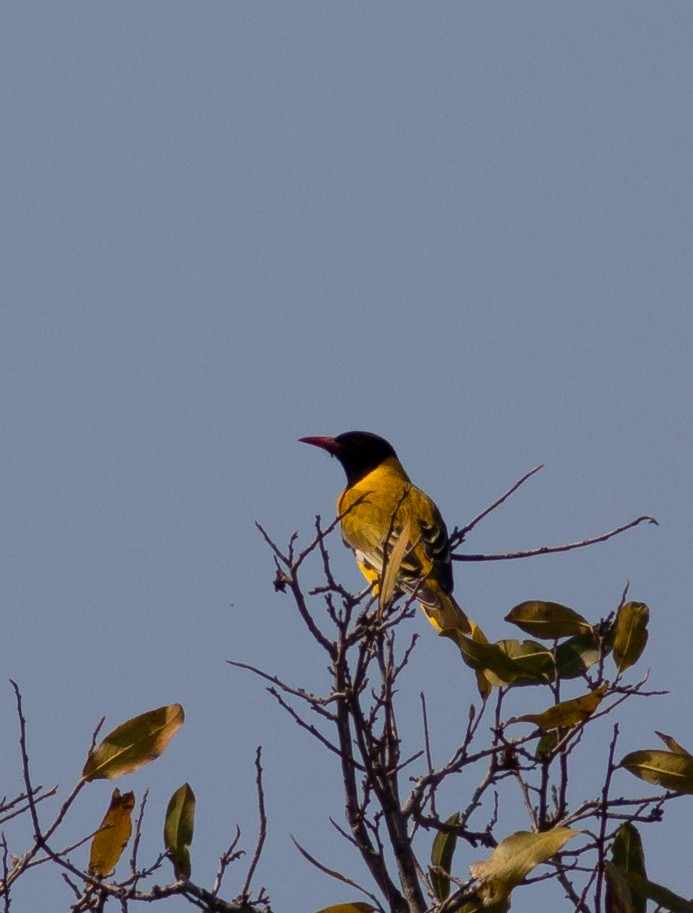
(459, 533)
(552, 549)
(227, 857)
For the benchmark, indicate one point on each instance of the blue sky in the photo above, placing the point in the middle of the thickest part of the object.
(466, 226)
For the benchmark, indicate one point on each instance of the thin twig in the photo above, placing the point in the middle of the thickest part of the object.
(601, 849)
(262, 830)
(38, 837)
(227, 857)
(429, 755)
(138, 834)
(317, 703)
(458, 534)
(298, 719)
(553, 549)
(333, 873)
(18, 810)
(5, 873)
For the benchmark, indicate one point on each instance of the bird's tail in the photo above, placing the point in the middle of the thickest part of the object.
(444, 613)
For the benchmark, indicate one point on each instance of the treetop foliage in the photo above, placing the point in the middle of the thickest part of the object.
(397, 821)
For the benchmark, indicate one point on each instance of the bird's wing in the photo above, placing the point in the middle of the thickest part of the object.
(365, 529)
(370, 513)
(433, 546)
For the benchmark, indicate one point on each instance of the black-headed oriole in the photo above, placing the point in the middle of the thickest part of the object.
(380, 500)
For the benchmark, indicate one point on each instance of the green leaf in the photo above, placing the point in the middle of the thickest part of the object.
(673, 745)
(576, 655)
(628, 857)
(534, 662)
(671, 770)
(112, 837)
(178, 829)
(485, 657)
(547, 743)
(483, 682)
(549, 620)
(663, 897)
(508, 661)
(566, 713)
(441, 858)
(514, 858)
(619, 898)
(630, 634)
(134, 743)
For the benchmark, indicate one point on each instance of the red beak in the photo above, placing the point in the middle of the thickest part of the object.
(325, 443)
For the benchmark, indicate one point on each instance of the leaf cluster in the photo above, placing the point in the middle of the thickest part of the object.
(397, 820)
(356, 721)
(127, 748)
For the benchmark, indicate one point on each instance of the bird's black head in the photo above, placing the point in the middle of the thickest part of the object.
(359, 452)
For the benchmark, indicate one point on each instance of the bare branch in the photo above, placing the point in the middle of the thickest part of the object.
(553, 549)
(601, 850)
(459, 534)
(30, 791)
(333, 873)
(316, 703)
(231, 854)
(304, 724)
(262, 831)
(138, 834)
(14, 809)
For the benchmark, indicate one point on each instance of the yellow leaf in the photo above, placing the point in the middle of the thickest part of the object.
(393, 562)
(567, 713)
(356, 907)
(178, 829)
(477, 905)
(630, 634)
(514, 858)
(673, 745)
(669, 769)
(134, 743)
(547, 619)
(113, 835)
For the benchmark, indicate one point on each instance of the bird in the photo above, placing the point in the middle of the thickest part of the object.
(380, 504)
